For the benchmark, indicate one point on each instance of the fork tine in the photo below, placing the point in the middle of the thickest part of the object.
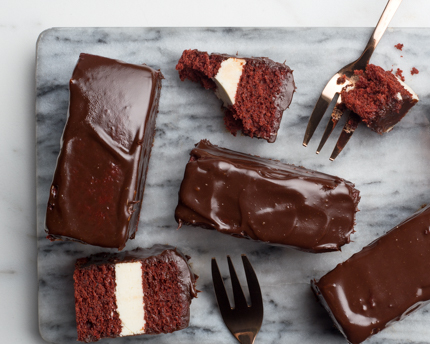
(253, 285)
(239, 297)
(320, 108)
(327, 132)
(318, 112)
(220, 293)
(243, 321)
(334, 119)
(347, 131)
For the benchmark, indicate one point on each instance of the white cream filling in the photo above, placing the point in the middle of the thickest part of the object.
(129, 298)
(414, 95)
(227, 79)
(399, 96)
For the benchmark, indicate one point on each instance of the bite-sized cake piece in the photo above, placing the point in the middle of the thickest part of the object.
(378, 97)
(98, 185)
(266, 200)
(383, 283)
(144, 291)
(255, 91)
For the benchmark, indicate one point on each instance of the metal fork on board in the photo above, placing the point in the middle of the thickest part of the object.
(243, 321)
(333, 87)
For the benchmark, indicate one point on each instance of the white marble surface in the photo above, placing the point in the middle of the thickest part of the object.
(22, 21)
(394, 182)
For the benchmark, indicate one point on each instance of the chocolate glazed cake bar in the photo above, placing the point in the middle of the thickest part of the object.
(98, 185)
(383, 283)
(144, 291)
(261, 199)
(255, 91)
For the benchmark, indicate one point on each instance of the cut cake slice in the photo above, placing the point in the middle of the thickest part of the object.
(144, 291)
(255, 91)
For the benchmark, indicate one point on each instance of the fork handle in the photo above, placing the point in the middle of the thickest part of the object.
(378, 32)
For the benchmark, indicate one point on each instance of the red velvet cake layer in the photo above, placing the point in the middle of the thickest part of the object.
(167, 308)
(95, 302)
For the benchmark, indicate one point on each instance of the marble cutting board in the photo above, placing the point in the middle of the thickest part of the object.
(391, 171)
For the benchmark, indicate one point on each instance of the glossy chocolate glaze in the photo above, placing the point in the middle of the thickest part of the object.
(385, 123)
(261, 199)
(381, 284)
(98, 185)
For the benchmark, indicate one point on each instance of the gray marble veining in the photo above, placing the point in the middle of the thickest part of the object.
(391, 171)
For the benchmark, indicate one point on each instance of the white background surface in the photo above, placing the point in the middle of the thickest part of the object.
(22, 21)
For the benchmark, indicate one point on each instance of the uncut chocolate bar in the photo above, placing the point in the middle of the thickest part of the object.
(266, 200)
(98, 185)
(381, 284)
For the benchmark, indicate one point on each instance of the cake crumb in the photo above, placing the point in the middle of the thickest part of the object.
(414, 71)
(399, 46)
(399, 73)
(341, 80)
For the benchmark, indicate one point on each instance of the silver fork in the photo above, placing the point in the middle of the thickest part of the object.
(243, 321)
(333, 87)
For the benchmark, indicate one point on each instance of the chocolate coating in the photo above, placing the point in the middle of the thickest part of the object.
(261, 199)
(98, 185)
(381, 284)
